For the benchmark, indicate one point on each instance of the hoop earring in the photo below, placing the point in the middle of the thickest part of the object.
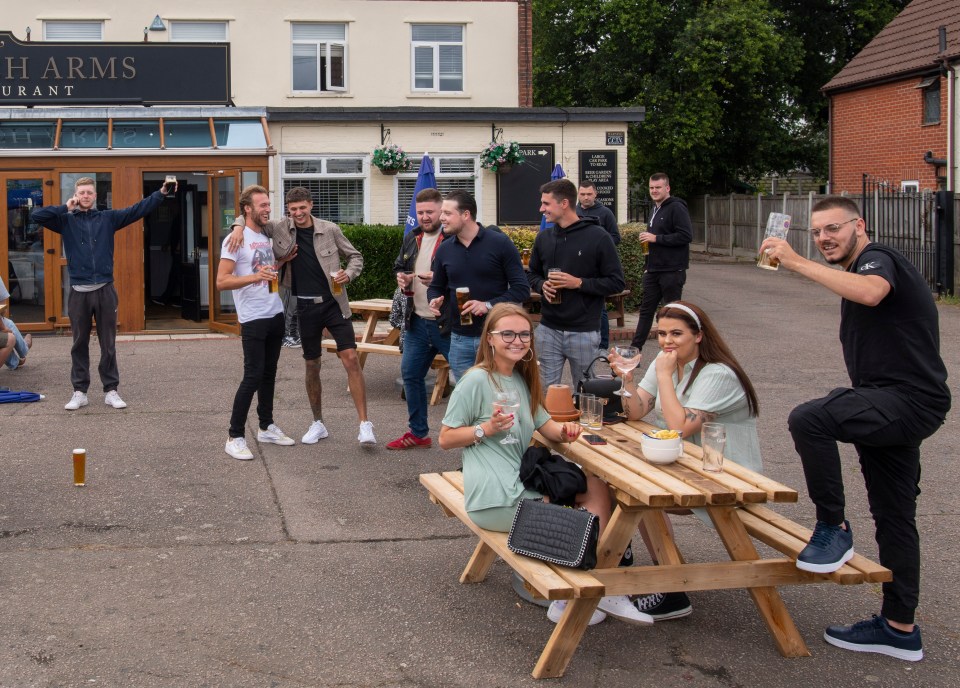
(493, 351)
(527, 360)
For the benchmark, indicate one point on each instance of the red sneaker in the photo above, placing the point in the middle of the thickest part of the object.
(409, 441)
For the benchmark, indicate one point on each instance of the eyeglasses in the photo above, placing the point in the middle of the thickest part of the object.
(831, 229)
(509, 335)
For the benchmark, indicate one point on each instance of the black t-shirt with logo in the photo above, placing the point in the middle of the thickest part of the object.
(308, 276)
(897, 342)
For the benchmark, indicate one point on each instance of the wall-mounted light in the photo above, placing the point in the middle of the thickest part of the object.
(157, 24)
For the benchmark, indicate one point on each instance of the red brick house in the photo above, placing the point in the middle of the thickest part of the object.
(897, 100)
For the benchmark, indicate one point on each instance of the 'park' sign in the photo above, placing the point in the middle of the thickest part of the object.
(93, 73)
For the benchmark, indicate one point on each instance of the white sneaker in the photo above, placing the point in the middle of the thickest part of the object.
(76, 401)
(274, 435)
(237, 448)
(620, 607)
(558, 607)
(366, 433)
(113, 399)
(316, 432)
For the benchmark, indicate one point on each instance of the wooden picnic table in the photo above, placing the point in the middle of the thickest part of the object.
(644, 492)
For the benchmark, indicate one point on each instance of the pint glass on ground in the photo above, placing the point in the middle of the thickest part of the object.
(335, 286)
(557, 297)
(79, 467)
(463, 295)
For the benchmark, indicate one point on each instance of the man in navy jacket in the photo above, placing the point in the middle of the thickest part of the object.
(87, 235)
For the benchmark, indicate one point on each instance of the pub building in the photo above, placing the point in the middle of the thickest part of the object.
(129, 112)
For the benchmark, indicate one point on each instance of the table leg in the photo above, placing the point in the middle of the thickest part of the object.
(565, 638)
(661, 540)
(768, 601)
(368, 331)
(618, 533)
(479, 565)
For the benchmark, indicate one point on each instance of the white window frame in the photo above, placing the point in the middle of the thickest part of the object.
(440, 175)
(321, 47)
(322, 174)
(911, 185)
(197, 29)
(435, 46)
(73, 29)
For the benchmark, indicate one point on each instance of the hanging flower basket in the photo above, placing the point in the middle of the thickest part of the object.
(500, 157)
(391, 159)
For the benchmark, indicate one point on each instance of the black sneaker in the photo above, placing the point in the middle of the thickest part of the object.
(627, 558)
(664, 606)
(830, 548)
(876, 635)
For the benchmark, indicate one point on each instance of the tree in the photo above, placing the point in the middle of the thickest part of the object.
(731, 87)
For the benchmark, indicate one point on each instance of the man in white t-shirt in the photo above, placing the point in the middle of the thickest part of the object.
(251, 272)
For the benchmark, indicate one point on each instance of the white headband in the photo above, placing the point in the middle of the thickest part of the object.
(688, 311)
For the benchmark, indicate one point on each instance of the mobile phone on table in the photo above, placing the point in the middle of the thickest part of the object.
(594, 439)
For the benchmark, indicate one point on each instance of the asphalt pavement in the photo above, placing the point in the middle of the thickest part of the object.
(327, 565)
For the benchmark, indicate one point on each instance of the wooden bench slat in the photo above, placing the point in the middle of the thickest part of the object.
(872, 571)
(541, 576)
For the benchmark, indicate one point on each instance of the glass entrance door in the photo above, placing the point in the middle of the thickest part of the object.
(26, 250)
(223, 208)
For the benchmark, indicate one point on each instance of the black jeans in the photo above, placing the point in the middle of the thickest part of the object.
(658, 287)
(262, 340)
(886, 428)
(83, 307)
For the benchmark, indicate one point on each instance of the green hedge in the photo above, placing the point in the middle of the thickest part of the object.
(379, 245)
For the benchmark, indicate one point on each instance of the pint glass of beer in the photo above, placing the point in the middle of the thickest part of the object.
(463, 295)
(557, 298)
(777, 226)
(79, 467)
(409, 277)
(335, 286)
(274, 284)
(525, 257)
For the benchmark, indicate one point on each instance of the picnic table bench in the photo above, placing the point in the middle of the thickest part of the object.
(644, 492)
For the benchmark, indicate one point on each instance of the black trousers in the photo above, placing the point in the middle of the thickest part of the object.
(658, 287)
(886, 428)
(83, 307)
(262, 340)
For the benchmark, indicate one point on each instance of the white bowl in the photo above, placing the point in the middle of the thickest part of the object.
(661, 451)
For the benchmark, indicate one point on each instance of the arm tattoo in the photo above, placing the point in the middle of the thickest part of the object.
(704, 416)
(651, 402)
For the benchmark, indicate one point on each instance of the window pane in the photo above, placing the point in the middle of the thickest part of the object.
(198, 32)
(240, 134)
(456, 166)
(437, 33)
(136, 134)
(27, 135)
(423, 67)
(336, 66)
(319, 32)
(451, 68)
(344, 166)
(931, 105)
(406, 185)
(73, 31)
(187, 134)
(302, 167)
(83, 135)
(305, 67)
(337, 200)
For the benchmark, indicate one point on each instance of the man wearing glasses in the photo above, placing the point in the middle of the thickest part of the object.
(889, 331)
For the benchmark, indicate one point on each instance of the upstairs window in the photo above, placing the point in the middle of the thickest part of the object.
(319, 57)
(931, 100)
(70, 30)
(198, 32)
(437, 57)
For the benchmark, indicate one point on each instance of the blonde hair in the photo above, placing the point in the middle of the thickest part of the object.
(84, 181)
(529, 369)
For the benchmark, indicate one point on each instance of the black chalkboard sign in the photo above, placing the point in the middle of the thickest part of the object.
(600, 167)
(518, 191)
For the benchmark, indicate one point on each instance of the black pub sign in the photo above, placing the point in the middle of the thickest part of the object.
(82, 73)
(600, 167)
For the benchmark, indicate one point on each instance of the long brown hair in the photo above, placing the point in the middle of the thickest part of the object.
(712, 349)
(529, 369)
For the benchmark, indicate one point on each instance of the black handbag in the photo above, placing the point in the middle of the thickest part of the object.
(557, 534)
(601, 386)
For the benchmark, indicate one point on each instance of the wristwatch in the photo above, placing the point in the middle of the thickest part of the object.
(478, 434)
(488, 305)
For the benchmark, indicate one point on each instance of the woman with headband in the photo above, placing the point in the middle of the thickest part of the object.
(695, 379)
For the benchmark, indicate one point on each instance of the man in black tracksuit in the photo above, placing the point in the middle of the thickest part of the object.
(669, 233)
(589, 271)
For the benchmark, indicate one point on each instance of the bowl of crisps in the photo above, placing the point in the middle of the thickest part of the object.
(663, 446)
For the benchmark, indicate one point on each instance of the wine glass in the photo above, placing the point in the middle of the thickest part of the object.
(508, 402)
(629, 359)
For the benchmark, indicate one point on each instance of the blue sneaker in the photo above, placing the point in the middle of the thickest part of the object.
(829, 548)
(876, 635)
